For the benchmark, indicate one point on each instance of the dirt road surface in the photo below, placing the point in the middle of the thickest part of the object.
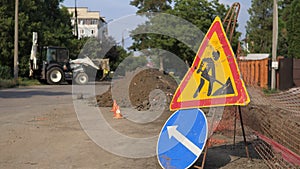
(39, 129)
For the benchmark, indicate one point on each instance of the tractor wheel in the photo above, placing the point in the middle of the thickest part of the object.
(55, 76)
(81, 78)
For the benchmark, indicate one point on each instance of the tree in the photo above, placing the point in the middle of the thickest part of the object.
(198, 12)
(106, 48)
(293, 31)
(6, 33)
(131, 63)
(259, 26)
(46, 17)
(151, 5)
(283, 14)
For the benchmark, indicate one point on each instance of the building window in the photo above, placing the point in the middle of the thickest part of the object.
(81, 31)
(92, 31)
(94, 22)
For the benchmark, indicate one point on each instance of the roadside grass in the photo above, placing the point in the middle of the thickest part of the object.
(11, 83)
(270, 91)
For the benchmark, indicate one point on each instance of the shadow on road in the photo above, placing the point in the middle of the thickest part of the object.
(28, 94)
(223, 155)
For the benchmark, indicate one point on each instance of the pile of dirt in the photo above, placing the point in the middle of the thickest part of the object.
(105, 99)
(141, 90)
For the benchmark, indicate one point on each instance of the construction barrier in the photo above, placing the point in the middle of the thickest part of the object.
(275, 118)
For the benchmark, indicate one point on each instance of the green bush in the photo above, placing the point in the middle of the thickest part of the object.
(5, 72)
(270, 91)
(10, 83)
(27, 82)
(7, 83)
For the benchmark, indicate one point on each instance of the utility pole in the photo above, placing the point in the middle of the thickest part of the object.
(123, 40)
(274, 45)
(16, 69)
(76, 21)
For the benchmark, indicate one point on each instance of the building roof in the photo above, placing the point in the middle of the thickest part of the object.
(84, 13)
(255, 56)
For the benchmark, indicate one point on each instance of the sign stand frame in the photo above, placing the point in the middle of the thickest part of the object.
(243, 130)
(204, 155)
(239, 110)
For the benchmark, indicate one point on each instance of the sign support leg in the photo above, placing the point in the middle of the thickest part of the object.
(204, 155)
(244, 136)
(234, 130)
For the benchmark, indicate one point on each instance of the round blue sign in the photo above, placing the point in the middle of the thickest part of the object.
(182, 139)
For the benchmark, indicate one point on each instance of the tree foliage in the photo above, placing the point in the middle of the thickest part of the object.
(200, 13)
(107, 48)
(46, 17)
(131, 63)
(293, 31)
(52, 23)
(116, 55)
(283, 14)
(259, 27)
(151, 5)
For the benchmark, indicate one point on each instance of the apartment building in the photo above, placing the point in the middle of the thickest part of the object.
(89, 22)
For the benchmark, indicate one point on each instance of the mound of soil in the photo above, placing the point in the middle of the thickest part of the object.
(105, 100)
(141, 90)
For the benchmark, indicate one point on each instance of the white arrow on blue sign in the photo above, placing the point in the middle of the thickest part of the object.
(182, 139)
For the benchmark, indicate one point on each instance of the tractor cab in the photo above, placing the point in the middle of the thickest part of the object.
(55, 65)
(53, 54)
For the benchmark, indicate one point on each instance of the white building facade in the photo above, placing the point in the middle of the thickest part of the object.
(89, 22)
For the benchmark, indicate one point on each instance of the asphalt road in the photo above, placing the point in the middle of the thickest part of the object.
(40, 129)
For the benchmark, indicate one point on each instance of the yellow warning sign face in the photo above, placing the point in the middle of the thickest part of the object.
(214, 78)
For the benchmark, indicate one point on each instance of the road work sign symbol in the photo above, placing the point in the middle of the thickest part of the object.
(182, 139)
(214, 78)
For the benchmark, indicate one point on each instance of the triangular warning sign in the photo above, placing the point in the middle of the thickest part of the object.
(214, 78)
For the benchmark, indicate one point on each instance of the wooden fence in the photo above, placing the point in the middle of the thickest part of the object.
(254, 72)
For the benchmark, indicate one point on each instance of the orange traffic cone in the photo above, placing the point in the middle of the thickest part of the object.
(114, 106)
(117, 113)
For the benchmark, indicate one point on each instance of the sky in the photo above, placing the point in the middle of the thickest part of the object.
(115, 9)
